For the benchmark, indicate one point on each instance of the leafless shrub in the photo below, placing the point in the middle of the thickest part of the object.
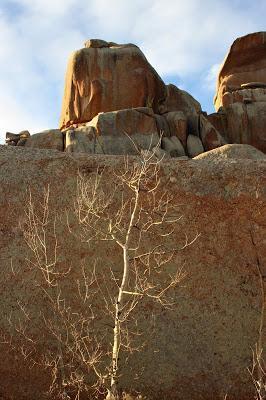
(258, 369)
(131, 211)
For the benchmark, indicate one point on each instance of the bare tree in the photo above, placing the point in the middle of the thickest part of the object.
(258, 369)
(41, 237)
(258, 373)
(133, 212)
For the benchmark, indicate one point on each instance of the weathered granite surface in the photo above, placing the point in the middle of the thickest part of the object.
(199, 350)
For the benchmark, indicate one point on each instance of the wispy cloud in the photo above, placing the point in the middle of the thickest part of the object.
(184, 39)
(209, 80)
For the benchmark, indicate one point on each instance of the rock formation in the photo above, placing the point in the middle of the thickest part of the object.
(199, 350)
(241, 93)
(116, 104)
(114, 87)
(19, 139)
(49, 139)
(232, 151)
(114, 97)
(106, 77)
(244, 68)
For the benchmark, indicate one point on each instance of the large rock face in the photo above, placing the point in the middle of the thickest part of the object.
(50, 139)
(107, 77)
(114, 89)
(242, 122)
(247, 124)
(241, 93)
(232, 151)
(244, 64)
(117, 132)
(199, 350)
(180, 100)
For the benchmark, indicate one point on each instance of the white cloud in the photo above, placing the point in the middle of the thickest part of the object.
(45, 8)
(17, 117)
(179, 37)
(209, 80)
(184, 39)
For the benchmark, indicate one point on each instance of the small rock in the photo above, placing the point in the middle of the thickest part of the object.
(210, 137)
(161, 154)
(173, 146)
(96, 43)
(49, 139)
(24, 134)
(178, 125)
(178, 146)
(194, 146)
(22, 142)
(253, 85)
(81, 140)
(12, 137)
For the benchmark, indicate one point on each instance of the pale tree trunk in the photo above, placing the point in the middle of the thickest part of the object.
(120, 299)
(118, 308)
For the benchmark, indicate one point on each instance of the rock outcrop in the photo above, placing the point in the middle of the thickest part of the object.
(194, 146)
(17, 139)
(180, 100)
(244, 67)
(114, 98)
(49, 139)
(241, 93)
(210, 137)
(232, 151)
(118, 132)
(105, 77)
(199, 350)
(108, 84)
(116, 104)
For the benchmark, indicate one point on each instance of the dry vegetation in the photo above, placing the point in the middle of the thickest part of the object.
(131, 212)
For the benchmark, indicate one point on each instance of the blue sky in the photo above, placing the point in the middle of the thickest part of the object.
(185, 40)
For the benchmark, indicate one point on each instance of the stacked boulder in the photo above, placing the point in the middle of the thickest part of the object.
(19, 139)
(49, 139)
(240, 98)
(116, 103)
